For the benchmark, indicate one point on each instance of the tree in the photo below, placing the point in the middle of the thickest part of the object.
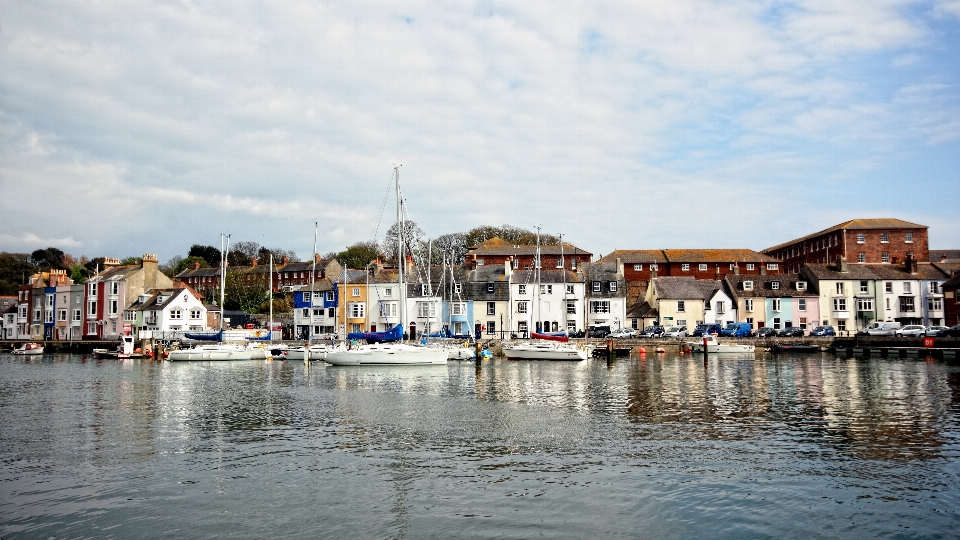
(412, 238)
(208, 253)
(169, 267)
(185, 264)
(358, 255)
(131, 261)
(94, 266)
(50, 258)
(245, 291)
(15, 270)
(453, 246)
(511, 234)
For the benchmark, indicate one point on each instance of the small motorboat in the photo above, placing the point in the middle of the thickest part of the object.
(778, 348)
(713, 346)
(29, 349)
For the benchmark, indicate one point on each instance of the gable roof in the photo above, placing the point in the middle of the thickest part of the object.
(499, 246)
(763, 286)
(855, 224)
(677, 288)
(634, 256)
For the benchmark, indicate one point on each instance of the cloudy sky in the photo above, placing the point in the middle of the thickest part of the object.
(146, 127)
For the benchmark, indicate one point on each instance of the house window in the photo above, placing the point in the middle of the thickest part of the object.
(491, 327)
(720, 308)
(569, 289)
(76, 315)
(491, 308)
(841, 325)
(885, 257)
(522, 328)
(426, 289)
(839, 304)
(92, 307)
(906, 287)
(884, 238)
(750, 321)
(772, 266)
(749, 266)
(863, 287)
(596, 286)
(907, 304)
(458, 288)
(775, 285)
(426, 309)
(114, 307)
(861, 238)
(355, 291)
(613, 286)
(92, 289)
(801, 304)
(317, 312)
(114, 287)
(748, 304)
(357, 310)
(522, 306)
(935, 304)
(195, 313)
(653, 267)
(458, 308)
(522, 289)
(331, 312)
(776, 323)
(306, 297)
(861, 257)
(175, 314)
(908, 237)
(316, 297)
(685, 267)
(129, 316)
(388, 309)
(681, 305)
(864, 304)
(62, 315)
(888, 287)
(703, 268)
(801, 285)
(546, 289)
(490, 288)
(681, 322)
(748, 285)
(637, 267)
(934, 287)
(559, 263)
(91, 328)
(305, 313)
(571, 306)
(839, 288)
(775, 304)
(600, 306)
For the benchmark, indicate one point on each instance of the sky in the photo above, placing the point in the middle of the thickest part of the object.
(146, 127)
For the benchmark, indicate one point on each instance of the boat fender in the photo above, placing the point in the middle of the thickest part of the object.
(580, 345)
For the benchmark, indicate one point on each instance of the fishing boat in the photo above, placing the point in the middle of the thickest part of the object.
(29, 349)
(219, 350)
(393, 353)
(714, 346)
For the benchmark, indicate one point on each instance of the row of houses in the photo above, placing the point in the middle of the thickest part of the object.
(503, 289)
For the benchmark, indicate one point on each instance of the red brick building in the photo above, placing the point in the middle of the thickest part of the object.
(496, 251)
(880, 240)
(951, 300)
(639, 264)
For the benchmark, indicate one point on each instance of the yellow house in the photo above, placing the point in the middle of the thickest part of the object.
(352, 292)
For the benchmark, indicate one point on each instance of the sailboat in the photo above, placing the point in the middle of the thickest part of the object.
(390, 353)
(220, 350)
(546, 346)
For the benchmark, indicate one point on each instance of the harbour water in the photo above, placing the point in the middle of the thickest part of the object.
(662, 446)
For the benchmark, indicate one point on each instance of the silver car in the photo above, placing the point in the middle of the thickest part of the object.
(676, 331)
(914, 330)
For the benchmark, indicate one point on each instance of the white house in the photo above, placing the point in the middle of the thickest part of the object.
(550, 300)
(171, 310)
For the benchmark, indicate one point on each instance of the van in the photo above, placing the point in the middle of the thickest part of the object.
(737, 329)
(706, 329)
(883, 328)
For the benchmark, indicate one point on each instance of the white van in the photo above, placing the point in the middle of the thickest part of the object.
(881, 328)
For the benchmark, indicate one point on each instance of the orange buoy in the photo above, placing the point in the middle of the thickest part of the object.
(641, 350)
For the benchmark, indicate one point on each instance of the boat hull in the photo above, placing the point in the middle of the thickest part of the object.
(543, 352)
(721, 348)
(299, 353)
(216, 354)
(387, 355)
(30, 349)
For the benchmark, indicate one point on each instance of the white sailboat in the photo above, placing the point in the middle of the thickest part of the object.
(390, 353)
(220, 351)
(550, 347)
(713, 346)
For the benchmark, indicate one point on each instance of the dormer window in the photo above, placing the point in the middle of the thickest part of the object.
(613, 286)
(490, 287)
(749, 266)
(775, 285)
(748, 285)
(801, 285)
(637, 267)
(596, 286)
(560, 263)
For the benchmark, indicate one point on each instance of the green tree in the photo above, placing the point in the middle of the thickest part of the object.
(245, 291)
(15, 270)
(207, 253)
(131, 261)
(47, 259)
(358, 255)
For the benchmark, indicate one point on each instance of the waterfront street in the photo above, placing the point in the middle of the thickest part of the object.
(810, 446)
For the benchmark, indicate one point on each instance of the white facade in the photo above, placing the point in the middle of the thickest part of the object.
(548, 308)
(720, 308)
(173, 310)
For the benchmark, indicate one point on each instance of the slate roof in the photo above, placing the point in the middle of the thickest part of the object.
(320, 285)
(499, 246)
(890, 271)
(677, 287)
(634, 256)
(708, 288)
(115, 273)
(642, 310)
(855, 224)
(763, 286)
(951, 255)
(552, 275)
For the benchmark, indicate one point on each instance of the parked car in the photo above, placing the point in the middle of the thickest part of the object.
(675, 331)
(706, 329)
(622, 333)
(599, 331)
(766, 332)
(793, 331)
(652, 331)
(737, 329)
(914, 330)
(953, 331)
(823, 331)
(934, 330)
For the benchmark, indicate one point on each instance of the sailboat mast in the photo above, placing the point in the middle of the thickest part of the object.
(313, 288)
(400, 260)
(537, 270)
(563, 273)
(270, 331)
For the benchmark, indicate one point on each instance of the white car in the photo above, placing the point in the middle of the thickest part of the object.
(623, 333)
(676, 331)
(934, 330)
(911, 330)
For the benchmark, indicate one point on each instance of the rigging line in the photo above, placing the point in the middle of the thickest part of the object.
(383, 204)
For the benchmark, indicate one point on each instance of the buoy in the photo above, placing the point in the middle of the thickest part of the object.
(661, 350)
(641, 350)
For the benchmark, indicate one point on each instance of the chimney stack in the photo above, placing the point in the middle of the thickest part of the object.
(943, 257)
(841, 263)
(911, 264)
(316, 258)
(285, 260)
(253, 261)
(196, 265)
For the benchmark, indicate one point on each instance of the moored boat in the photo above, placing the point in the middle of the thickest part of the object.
(317, 351)
(713, 346)
(29, 349)
(547, 350)
(397, 354)
(220, 351)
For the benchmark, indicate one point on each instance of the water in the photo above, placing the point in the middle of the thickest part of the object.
(804, 447)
